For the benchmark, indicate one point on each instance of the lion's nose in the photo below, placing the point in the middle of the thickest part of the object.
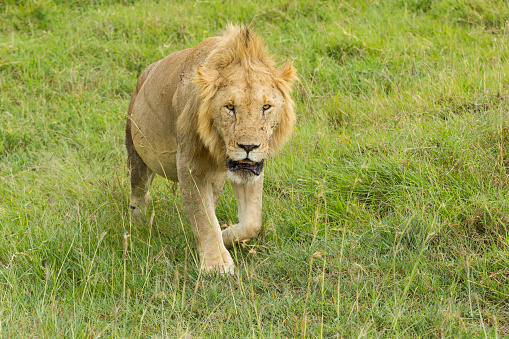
(248, 148)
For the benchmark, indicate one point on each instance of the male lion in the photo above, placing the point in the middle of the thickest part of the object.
(205, 113)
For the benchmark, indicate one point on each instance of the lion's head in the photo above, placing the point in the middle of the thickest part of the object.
(245, 111)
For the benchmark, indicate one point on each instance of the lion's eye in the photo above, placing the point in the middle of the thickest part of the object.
(266, 107)
(230, 107)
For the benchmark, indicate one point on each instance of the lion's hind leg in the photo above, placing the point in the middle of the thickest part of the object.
(141, 178)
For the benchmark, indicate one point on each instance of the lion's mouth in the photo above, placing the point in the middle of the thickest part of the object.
(246, 165)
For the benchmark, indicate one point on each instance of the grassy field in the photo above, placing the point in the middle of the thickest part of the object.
(387, 214)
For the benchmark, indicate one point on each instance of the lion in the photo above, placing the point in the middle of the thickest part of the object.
(203, 114)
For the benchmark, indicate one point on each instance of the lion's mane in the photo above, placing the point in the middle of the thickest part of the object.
(239, 47)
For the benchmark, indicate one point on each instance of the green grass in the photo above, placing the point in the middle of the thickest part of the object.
(386, 215)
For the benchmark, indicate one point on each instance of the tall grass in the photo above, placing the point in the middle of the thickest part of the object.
(385, 216)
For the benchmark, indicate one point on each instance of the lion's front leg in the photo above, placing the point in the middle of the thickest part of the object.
(249, 202)
(198, 196)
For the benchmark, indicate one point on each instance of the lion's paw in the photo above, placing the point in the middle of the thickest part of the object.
(138, 215)
(229, 236)
(223, 265)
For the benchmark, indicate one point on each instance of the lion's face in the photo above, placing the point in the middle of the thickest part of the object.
(248, 115)
(247, 111)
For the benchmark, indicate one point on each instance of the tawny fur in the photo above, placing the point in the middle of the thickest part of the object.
(179, 127)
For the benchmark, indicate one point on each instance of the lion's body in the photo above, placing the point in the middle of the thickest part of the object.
(196, 111)
(156, 104)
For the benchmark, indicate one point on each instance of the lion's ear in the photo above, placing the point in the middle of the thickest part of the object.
(286, 72)
(205, 76)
